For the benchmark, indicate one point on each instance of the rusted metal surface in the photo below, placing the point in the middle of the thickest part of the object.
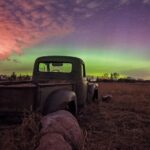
(17, 99)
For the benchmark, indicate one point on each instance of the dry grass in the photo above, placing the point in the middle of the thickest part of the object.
(121, 124)
(21, 137)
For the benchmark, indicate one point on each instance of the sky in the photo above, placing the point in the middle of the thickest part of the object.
(109, 35)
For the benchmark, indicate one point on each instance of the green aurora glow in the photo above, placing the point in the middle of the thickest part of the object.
(97, 61)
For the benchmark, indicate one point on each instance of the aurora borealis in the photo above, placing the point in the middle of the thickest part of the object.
(109, 35)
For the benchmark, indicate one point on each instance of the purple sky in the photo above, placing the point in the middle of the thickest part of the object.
(123, 25)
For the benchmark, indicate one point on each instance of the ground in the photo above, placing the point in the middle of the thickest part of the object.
(123, 123)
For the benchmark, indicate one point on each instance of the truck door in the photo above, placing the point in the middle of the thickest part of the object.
(82, 87)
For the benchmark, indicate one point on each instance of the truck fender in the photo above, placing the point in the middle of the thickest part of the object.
(61, 99)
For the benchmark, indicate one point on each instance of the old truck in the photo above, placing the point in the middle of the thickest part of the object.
(58, 82)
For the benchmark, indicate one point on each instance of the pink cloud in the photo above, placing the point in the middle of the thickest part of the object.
(24, 24)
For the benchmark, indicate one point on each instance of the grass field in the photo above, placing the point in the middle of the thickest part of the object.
(122, 123)
(21, 137)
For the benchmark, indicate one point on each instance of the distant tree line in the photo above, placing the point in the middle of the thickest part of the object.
(112, 76)
(105, 77)
(115, 77)
(14, 77)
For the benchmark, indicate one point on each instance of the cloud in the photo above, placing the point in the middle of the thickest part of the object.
(124, 2)
(84, 9)
(146, 1)
(92, 5)
(13, 60)
(24, 23)
(79, 1)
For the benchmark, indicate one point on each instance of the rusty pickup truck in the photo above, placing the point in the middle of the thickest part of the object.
(58, 82)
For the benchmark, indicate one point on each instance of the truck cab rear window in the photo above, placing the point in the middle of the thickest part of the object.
(55, 67)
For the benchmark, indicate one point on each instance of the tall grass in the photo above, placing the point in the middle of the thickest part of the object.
(21, 137)
(121, 124)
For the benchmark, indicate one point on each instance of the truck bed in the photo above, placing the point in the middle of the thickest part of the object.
(24, 96)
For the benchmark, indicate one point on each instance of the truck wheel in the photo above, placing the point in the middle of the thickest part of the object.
(95, 96)
(72, 107)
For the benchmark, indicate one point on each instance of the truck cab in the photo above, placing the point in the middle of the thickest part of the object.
(66, 68)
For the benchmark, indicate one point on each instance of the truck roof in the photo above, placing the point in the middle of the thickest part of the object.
(60, 59)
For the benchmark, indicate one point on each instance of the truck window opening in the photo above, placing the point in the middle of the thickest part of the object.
(55, 67)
